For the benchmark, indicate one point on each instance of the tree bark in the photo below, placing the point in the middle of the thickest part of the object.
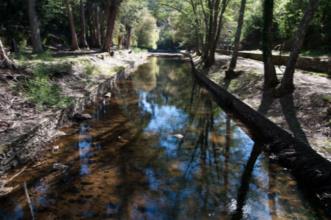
(287, 84)
(34, 27)
(74, 39)
(128, 37)
(270, 77)
(119, 41)
(98, 27)
(5, 62)
(233, 62)
(112, 13)
(215, 26)
(83, 40)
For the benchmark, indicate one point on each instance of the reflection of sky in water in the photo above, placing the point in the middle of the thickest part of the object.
(244, 143)
(42, 188)
(166, 121)
(17, 214)
(85, 145)
(190, 180)
(152, 180)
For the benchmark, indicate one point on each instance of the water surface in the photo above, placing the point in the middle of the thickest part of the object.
(160, 148)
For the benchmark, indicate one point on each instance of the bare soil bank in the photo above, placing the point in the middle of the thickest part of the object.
(306, 114)
(26, 127)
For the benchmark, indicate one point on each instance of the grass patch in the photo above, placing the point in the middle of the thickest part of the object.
(327, 98)
(138, 50)
(24, 56)
(326, 75)
(315, 53)
(44, 56)
(43, 92)
(90, 69)
(116, 69)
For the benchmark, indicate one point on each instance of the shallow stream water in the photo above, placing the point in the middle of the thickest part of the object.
(160, 148)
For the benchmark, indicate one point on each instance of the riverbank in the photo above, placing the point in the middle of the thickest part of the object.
(47, 91)
(321, 64)
(311, 170)
(145, 141)
(306, 114)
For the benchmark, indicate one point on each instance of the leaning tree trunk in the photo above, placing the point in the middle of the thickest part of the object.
(34, 27)
(74, 39)
(287, 84)
(5, 62)
(83, 40)
(233, 62)
(270, 77)
(112, 13)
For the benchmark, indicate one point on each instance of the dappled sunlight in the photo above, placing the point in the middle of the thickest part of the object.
(158, 158)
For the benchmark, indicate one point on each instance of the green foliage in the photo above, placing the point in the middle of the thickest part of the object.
(147, 31)
(42, 91)
(89, 69)
(44, 56)
(287, 16)
(138, 50)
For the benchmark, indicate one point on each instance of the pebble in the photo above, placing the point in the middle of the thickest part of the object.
(55, 149)
(108, 95)
(82, 117)
(179, 136)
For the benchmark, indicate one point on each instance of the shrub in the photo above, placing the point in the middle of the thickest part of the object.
(43, 92)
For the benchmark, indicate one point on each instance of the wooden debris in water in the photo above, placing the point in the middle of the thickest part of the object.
(29, 200)
(4, 190)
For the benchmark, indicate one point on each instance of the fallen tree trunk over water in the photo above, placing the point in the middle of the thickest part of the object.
(312, 171)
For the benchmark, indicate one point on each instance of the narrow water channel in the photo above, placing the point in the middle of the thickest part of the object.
(160, 148)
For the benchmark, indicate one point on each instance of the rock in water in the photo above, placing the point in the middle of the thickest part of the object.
(178, 136)
(59, 166)
(81, 117)
(108, 95)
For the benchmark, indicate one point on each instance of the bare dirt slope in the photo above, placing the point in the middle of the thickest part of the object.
(75, 77)
(306, 114)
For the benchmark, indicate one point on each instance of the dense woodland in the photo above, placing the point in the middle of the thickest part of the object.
(201, 26)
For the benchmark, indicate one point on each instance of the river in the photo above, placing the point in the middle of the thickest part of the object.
(159, 148)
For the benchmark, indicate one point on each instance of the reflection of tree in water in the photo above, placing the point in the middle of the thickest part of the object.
(245, 181)
(290, 115)
(134, 175)
(204, 152)
(145, 78)
(204, 160)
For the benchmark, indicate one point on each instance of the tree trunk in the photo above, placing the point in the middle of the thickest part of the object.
(98, 26)
(287, 84)
(270, 77)
(74, 39)
(103, 24)
(5, 62)
(14, 47)
(34, 27)
(112, 13)
(128, 37)
(83, 40)
(233, 62)
(119, 41)
(214, 32)
(92, 10)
